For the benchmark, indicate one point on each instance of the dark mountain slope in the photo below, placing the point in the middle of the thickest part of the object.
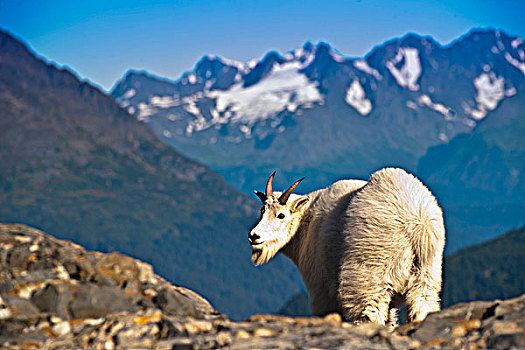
(75, 164)
(487, 271)
(479, 177)
(485, 165)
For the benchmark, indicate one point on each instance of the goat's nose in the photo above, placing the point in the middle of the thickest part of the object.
(253, 237)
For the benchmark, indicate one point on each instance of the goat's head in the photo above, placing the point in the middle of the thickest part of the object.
(280, 217)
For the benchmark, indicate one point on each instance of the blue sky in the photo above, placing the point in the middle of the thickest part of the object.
(101, 39)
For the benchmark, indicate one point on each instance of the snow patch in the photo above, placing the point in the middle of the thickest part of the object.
(284, 86)
(515, 62)
(309, 58)
(510, 92)
(412, 105)
(246, 130)
(490, 92)
(145, 111)
(214, 114)
(362, 65)
(408, 75)
(241, 66)
(192, 78)
(233, 139)
(469, 123)
(338, 57)
(198, 124)
(301, 55)
(501, 47)
(516, 42)
(129, 94)
(478, 114)
(208, 84)
(355, 97)
(438, 107)
(298, 53)
(164, 101)
(190, 106)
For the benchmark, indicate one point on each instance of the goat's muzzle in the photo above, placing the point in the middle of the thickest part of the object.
(253, 238)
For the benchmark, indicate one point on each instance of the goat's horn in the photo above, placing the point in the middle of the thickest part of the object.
(284, 197)
(269, 190)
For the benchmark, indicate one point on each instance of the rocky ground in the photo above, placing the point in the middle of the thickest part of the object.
(56, 295)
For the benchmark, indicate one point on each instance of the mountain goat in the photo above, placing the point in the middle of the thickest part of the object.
(362, 247)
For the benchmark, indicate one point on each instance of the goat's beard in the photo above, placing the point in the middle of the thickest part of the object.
(263, 254)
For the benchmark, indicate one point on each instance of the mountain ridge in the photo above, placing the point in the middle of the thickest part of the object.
(407, 37)
(326, 116)
(74, 163)
(197, 98)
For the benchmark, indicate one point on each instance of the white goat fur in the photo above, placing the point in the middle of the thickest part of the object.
(360, 246)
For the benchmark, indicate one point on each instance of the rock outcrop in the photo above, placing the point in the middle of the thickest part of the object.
(56, 295)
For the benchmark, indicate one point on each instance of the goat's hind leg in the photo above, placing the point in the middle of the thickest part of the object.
(370, 306)
(377, 307)
(364, 297)
(422, 296)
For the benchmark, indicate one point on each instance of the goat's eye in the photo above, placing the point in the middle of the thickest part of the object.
(280, 216)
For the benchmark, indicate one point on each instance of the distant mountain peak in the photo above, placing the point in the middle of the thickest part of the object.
(325, 49)
(308, 46)
(435, 92)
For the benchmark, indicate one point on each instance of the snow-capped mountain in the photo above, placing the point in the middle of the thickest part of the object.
(315, 112)
(242, 93)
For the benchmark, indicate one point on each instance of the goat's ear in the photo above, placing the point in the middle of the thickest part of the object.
(261, 196)
(299, 203)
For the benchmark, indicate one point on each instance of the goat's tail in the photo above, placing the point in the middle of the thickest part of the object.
(427, 233)
(424, 225)
(417, 212)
